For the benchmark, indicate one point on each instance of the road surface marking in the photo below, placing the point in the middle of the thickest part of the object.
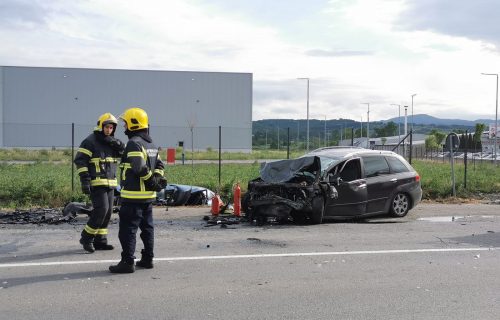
(252, 256)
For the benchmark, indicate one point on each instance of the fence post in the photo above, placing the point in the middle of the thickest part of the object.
(411, 144)
(465, 163)
(220, 153)
(288, 143)
(72, 157)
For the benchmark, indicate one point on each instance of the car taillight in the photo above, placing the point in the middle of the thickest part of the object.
(417, 178)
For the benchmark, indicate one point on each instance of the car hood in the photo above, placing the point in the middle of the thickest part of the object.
(285, 170)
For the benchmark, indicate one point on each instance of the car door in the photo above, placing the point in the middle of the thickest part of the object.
(379, 182)
(402, 177)
(351, 188)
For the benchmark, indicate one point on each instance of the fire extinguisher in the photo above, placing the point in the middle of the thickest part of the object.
(237, 200)
(216, 204)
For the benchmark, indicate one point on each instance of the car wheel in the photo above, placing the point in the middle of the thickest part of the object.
(318, 209)
(400, 205)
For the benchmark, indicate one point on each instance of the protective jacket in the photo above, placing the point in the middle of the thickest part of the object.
(140, 164)
(97, 159)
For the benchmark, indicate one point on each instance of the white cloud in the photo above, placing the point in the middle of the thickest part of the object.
(353, 51)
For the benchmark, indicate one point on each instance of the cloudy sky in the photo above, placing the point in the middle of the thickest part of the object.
(353, 51)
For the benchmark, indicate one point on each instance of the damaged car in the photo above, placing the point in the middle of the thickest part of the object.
(178, 195)
(333, 182)
(184, 195)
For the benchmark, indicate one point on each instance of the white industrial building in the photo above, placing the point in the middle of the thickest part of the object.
(38, 105)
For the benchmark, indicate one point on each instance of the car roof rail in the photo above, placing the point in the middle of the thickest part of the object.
(336, 147)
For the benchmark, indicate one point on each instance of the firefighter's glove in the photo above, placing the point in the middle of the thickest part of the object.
(115, 143)
(86, 186)
(156, 182)
(161, 181)
(150, 183)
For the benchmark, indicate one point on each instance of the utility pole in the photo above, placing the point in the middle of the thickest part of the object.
(307, 143)
(367, 126)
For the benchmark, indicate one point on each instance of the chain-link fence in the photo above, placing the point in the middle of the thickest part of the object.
(191, 138)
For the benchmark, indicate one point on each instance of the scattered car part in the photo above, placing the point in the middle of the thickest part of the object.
(75, 208)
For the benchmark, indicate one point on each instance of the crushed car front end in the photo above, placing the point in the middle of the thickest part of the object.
(287, 189)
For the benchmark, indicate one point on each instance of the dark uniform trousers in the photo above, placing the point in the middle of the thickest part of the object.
(97, 226)
(132, 216)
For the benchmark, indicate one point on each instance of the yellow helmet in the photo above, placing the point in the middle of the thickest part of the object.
(136, 119)
(105, 119)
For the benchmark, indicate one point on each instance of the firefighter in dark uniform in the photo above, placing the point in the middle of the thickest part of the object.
(141, 176)
(96, 163)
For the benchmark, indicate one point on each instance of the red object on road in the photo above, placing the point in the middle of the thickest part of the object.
(237, 200)
(216, 205)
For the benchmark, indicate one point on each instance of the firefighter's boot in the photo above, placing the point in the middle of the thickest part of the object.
(101, 243)
(87, 241)
(122, 267)
(146, 261)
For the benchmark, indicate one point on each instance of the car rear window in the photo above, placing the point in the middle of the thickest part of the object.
(375, 165)
(396, 165)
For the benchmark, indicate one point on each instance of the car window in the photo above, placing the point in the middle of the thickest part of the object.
(351, 170)
(375, 165)
(396, 165)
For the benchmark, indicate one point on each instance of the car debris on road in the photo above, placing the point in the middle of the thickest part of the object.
(35, 216)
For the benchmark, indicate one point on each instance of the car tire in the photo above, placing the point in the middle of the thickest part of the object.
(318, 209)
(400, 205)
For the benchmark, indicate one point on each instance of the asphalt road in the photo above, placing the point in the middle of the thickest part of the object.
(439, 262)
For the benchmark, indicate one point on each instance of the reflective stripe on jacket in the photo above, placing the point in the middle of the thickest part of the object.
(139, 162)
(96, 159)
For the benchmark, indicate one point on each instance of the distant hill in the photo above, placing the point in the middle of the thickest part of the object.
(425, 119)
(274, 133)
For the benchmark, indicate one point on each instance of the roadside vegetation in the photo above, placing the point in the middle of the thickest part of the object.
(64, 155)
(16, 154)
(47, 181)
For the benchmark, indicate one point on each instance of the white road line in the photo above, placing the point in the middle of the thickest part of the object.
(251, 256)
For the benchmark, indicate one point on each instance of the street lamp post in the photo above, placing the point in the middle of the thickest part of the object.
(325, 132)
(399, 120)
(412, 111)
(367, 125)
(496, 115)
(307, 134)
(361, 128)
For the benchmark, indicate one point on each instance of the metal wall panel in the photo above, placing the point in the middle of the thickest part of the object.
(1, 107)
(43, 102)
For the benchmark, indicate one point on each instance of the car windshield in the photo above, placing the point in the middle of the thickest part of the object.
(327, 162)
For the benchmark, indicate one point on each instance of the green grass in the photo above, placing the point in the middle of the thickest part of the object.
(64, 155)
(436, 179)
(39, 184)
(17, 154)
(49, 183)
(207, 175)
(213, 154)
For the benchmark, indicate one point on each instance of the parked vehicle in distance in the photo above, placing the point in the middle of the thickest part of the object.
(334, 182)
